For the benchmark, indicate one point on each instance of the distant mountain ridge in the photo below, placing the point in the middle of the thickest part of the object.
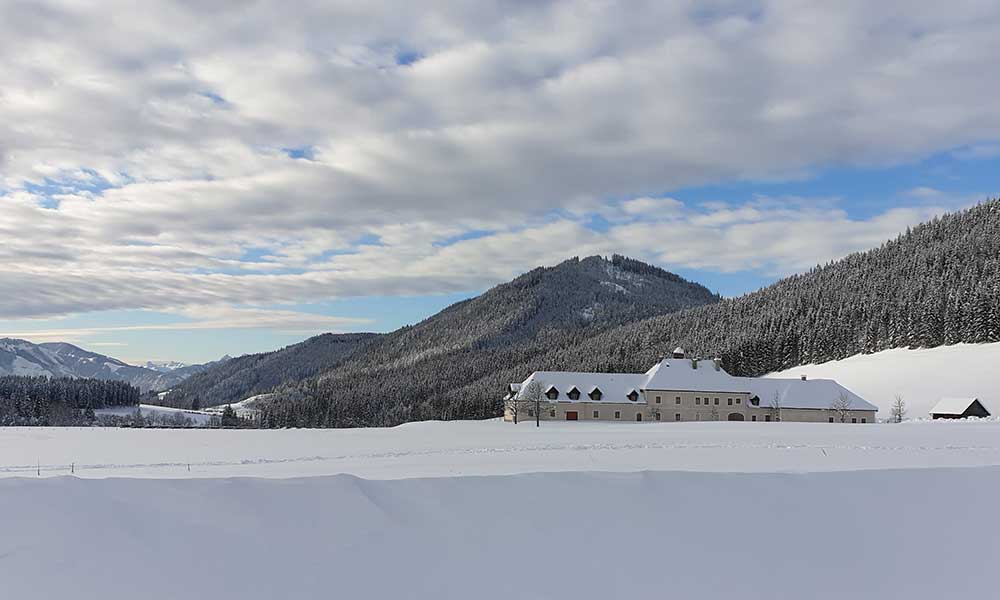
(504, 326)
(60, 359)
(239, 378)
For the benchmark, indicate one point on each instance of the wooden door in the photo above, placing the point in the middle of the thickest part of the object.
(572, 415)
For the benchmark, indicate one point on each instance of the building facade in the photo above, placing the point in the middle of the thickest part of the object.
(679, 389)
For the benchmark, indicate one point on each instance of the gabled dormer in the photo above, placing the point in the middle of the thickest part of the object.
(633, 395)
(552, 393)
(595, 394)
(573, 393)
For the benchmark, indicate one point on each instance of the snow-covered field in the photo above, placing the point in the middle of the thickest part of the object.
(921, 376)
(490, 510)
(441, 449)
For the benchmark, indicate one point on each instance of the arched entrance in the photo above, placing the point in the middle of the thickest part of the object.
(735, 417)
(638, 416)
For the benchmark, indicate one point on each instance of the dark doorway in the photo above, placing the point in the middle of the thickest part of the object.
(638, 416)
(735, 417)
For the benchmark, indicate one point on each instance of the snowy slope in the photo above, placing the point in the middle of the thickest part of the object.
(827, 536)
(436, 449)
(921, 376)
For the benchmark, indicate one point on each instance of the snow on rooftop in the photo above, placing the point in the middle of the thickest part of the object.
(681, 375)
(615, 387)
(804, 393)
(952, 406)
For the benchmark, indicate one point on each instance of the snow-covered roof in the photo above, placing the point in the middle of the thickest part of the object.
(614, 387)
(952, 406)
(803, 393)
(678, 374)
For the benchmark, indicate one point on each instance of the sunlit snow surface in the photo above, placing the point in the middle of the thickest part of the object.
(490, 510)
(922, 376)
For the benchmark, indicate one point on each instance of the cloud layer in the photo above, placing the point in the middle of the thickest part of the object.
(175, 156)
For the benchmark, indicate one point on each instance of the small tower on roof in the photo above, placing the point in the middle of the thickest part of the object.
(678, 352)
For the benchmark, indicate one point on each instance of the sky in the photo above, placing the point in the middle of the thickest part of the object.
(183, 180)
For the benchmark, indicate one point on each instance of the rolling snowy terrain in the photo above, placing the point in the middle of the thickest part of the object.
(921, 376)
(492, 510)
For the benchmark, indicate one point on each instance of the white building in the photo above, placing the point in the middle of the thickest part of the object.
(681, 389)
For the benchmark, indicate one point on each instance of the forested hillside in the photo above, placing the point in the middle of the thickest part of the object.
(937, 284)
(59, 400)
(428, 370)
(235, 379)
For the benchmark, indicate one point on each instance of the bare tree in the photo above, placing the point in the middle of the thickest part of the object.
(898, 409)
(775, 408)
(530, 397)
(841, 407)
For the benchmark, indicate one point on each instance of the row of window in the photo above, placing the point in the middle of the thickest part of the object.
(697, 400)
(574, 394)
(677, 416)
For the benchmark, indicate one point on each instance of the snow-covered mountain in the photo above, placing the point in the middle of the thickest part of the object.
(164, 366)
(921, 376)
(59, 359)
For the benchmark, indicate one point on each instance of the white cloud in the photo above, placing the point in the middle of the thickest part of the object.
(516, 112)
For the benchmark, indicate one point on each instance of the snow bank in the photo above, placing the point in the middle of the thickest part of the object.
(911, 534)
(435, 449)
(921, 376)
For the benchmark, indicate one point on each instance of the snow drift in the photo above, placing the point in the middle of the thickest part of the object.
(913, 534)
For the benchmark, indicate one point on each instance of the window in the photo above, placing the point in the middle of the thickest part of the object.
(677, 400)
(864, 420)
(716, 401)
(854, 420)
(552, 393)
(552, 413)
(633, 395)
(730, 401)
(831, 419)
(677, 416)
(767, 417)
(657, 416)
(618, 414)
(595, 394)
(697, 401)
(574, 394)
(657, 399)
(597, 414)
(753, 417)
(737, 401)
(531, 412)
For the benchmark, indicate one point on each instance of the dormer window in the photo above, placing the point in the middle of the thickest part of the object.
(573, 393)
(552, 393)
(633, 395)
(595, 394)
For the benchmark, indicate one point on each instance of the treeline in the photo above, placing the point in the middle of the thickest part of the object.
(938, 283)
(59, 400)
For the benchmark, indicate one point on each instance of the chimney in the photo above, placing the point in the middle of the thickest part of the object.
(678, 352)
(803, 378)
(718, 363)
